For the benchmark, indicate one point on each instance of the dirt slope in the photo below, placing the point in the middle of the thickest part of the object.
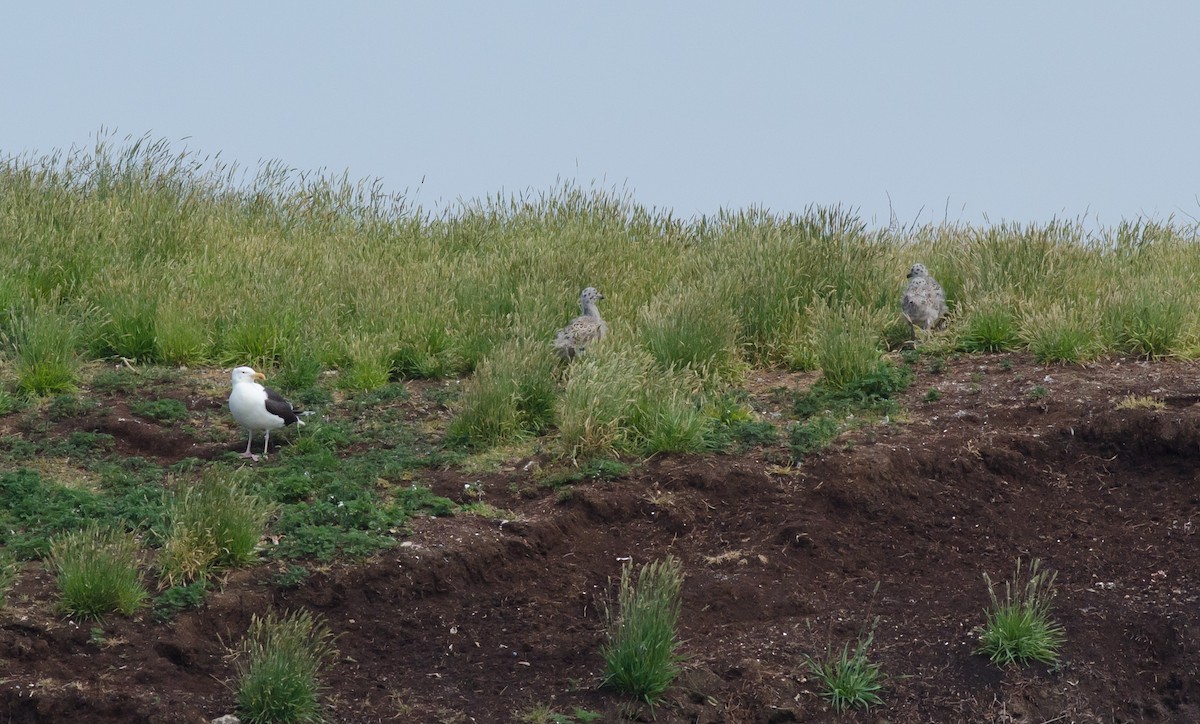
(481, 620)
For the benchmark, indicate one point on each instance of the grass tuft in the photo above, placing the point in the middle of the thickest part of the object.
(846, 340)
(97, 571)
(278, 664)
(511, 396)
(1062, 332)
(42, 340)
(641, 654)
(850, 680)
(214, 524)
(1018, 627)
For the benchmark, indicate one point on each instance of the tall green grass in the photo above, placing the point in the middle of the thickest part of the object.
(279, 662)
(511, 395)
(97, 572)
(214, 524)
(641, 653)
(131, 248)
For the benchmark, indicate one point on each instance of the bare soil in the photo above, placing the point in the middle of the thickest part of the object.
(475, 619)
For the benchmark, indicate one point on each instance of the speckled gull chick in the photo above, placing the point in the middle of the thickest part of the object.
(924, 302)
(584, 329)
(257, 408)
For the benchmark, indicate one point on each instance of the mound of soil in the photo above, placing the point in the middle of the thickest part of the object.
(475, 619)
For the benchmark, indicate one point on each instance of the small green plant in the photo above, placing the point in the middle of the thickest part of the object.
(1038, 392)
(291, 577)
(164, 410)
(933, 394)
(641, 654)
(544, 714)
(278, 664)
(214, 524)
(67, 406)
(1006, 364)
(936, 366)
(178, 598)
(97, 572)
(1018, 627)
(850, 680)
(10, 403)
(812, 435)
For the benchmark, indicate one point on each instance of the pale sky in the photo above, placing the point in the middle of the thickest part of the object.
(1019, 110)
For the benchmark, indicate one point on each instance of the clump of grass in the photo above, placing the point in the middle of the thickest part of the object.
(512, 395)
(991, 325)
(641, 653)
(1018, 627)
(812, 435)
(846, 340)
(215, 524)
(97, 571)
(278, 664)
(667, 418)
(1140, 402)
(1150, 323)
(371, 363)
(933, 394)
(850, 680)
(42, 340)
(598, 399)
(297, 373)
(1062, 332)
(692, 328)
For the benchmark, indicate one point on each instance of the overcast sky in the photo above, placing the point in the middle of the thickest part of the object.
(1018, 110)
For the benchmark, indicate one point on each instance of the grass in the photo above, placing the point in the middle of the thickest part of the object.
(43, 340)
(9, 568)
(1018, 628)
(1140, 402)
(481, 286)
(849, 679)
(510, 396)
(97, 572)
(824, 411)
(278, 663)
(641, 651)
(214, 524)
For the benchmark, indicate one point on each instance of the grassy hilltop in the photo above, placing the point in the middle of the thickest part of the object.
(169, 258)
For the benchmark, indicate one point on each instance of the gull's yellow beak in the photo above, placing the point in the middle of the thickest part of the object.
(260, 376)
